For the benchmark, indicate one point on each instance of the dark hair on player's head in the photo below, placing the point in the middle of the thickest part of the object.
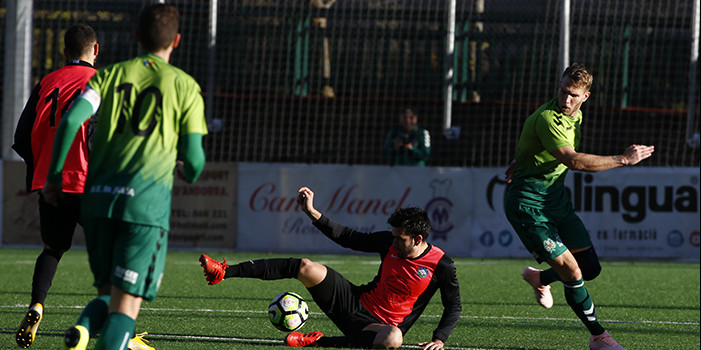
(158, 25)
(79, 39)
(413, 220)
(580, 75)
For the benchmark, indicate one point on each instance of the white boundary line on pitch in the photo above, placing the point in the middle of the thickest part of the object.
(19, 306)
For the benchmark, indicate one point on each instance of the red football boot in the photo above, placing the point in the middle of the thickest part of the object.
(213, 270)
(298, 340)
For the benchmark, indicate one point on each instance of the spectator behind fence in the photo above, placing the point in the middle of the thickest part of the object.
(407, 143)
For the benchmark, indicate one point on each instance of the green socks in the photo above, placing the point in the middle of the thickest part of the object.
(548, 276)
(94, 314)
(578, 298)
(115, 335)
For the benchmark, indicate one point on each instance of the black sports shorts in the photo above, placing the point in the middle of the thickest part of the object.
(340, 301)
(58, 223)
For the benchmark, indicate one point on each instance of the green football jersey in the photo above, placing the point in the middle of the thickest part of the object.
(146, 105)
(547, 129)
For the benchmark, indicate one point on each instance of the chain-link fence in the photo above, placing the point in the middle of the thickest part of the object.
(323, 81)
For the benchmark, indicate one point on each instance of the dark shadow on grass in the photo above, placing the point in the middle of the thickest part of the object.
(27, 292)
(164, 338)
(52, 333)
(160, 296)
(534, 325)
(621, 306)
(214, 339)
(266, 299)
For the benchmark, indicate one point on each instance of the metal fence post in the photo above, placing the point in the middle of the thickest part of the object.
(448, 77)
(693, 79)
(564, 58)
(17, 70)
(211, 60)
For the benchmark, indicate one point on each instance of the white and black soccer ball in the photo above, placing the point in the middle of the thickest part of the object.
(288, 312)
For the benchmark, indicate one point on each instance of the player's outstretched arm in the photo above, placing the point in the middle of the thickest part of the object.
(634, 154)
(305, 198)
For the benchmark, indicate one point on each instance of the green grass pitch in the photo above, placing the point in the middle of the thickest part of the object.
(644, 305)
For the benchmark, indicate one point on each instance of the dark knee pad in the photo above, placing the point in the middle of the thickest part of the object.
(588, 263)
(54, 253)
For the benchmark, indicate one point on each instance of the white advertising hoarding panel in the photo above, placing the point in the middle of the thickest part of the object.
(203, 214)
(634, 212)
(640, 212)
(362, 197)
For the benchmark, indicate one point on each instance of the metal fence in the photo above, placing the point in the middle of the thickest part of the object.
(322, 81)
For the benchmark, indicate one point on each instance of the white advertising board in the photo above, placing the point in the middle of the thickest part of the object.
(636, 212)
(630, 213)
(362, 197)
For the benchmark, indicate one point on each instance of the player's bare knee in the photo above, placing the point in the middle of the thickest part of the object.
(393, 339)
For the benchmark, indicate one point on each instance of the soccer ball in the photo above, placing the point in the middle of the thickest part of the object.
(288, 312)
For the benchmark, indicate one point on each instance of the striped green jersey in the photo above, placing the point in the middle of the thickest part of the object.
(146, 104)
(546, 130)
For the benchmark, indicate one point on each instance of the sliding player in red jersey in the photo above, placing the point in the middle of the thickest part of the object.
(377, 314)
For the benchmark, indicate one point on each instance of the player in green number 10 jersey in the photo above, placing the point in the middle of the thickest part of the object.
(148, 112)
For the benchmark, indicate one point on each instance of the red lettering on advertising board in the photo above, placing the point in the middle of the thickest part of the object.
(343, 200)
(263, 199)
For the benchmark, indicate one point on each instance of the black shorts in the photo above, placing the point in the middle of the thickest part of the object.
(340, 301)
(58, 223)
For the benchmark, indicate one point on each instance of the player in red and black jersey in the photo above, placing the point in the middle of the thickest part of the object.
(379, 313)
(34, 139)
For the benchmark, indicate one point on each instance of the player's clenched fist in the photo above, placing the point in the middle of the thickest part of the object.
(305, 198)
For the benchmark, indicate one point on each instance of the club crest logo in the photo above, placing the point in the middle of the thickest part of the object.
(551, 245)
(440, 208)
(422, 272)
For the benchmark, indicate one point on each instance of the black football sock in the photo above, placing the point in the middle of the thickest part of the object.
(44, 271)
(334, 342)
(362, 340)
(265, 269)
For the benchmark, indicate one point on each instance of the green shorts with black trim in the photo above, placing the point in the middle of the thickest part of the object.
(546, 230)
(126, 255)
